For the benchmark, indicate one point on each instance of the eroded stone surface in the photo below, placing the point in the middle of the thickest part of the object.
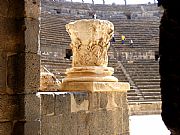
(90, 41)
(90, 74)
(95, 86)
(85, 113)
(48, 81)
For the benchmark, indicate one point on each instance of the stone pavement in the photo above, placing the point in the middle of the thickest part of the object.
(147, 125)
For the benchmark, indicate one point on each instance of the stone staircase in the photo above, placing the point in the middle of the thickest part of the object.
(56, 66)
(145, 75)
(144, 33)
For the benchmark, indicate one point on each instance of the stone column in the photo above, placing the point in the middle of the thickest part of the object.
(90, 43)
(92, 101)
(19, 67)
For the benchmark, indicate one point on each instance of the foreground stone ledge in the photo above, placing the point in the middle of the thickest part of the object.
(95, 86)
(84, 113)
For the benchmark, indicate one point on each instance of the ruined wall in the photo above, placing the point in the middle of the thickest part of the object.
(83, 113)
(19, 67)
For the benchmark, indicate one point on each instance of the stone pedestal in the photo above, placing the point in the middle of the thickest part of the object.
(96, 86)
(93, 101)
(84, 113)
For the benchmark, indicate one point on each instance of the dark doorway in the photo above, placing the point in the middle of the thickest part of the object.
(68, 53)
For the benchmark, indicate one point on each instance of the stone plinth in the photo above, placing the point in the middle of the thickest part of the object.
(84, 113)
(90, 74)
(95, 86)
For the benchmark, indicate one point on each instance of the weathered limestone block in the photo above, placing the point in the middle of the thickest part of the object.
(31, 107)
(11, 34)
(48, 82)
(31, 31)
(31, 73)
(11, 107)
(153, 108)
(12, 8)
(2, 71)
(22, 107)
(82, 113)
(31, 128)
(90, 74)
(23, 73)
(6, 128)
(95, 86)
(19, 128)
(32, 8)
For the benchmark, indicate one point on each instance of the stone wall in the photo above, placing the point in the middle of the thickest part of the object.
(135, 55)
(145, 108)
(19, 67)
(82, 113)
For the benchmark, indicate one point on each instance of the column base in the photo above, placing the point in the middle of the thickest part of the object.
(95, 86)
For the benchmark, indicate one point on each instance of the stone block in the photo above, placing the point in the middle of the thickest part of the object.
(70, 122)
(77, 113)
(95, 86)
(23, 73)
(6, 128)
(13, 8)
(2, 72)
(32, 128)
(11, 74)
(32, 72)
(18, 128)
(103, 99)
(25, 128)
(19, 72)
(12, 34)
(52, 125)
(100, 122)
(95, 101)
(105, 122)
(19, 35)
(48, 104)
(32, 8)
(11, 107)
(83, 123)
(19, 107)
(28, 72)
(32, 107)
(125, 120)
(31, 35)
(62, 104)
